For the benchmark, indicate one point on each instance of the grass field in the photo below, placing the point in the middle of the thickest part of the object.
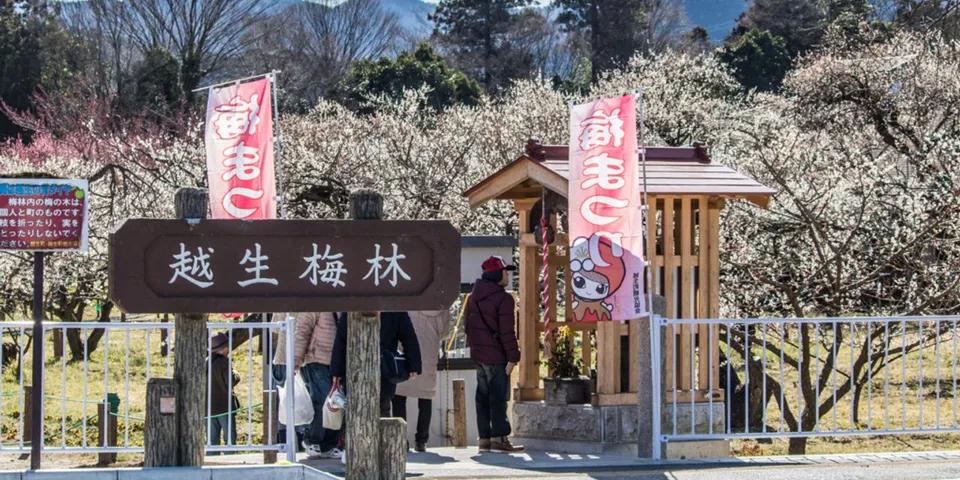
(70, 405)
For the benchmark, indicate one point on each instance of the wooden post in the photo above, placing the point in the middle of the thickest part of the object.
(191, 353)
(57, 343)
(459, 413)
(270, 425)
(160, 427)
(107, 430)
(393, 449)
(363, 370)
(529, 309)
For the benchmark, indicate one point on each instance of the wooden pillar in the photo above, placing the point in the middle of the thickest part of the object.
(191, 353)
(363, 371)
(459, 413)
(160, 427)
(57, 343)
(270, 425)
(684, 304)
(106, 430)
(608, 358)
(529, 383)
(393, 447)
(669, 264)
(713, 311)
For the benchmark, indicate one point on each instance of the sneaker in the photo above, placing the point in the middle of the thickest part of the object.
(312, 450)
(420, 447)
(484, 445)
(332, 453)
(503, 445)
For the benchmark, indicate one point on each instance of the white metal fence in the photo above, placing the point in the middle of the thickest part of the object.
(95, 379)
(812, 377)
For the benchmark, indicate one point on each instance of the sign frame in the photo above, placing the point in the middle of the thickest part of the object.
(83, 185)
(134, 255)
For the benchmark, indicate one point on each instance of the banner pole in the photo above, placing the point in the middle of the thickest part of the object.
(281, 207)
(238, 80)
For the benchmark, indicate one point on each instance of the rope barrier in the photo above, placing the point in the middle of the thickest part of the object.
(219, 415)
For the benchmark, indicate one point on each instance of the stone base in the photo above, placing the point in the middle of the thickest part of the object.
(588, 429)
(702, 418)
(583, 429)
(698, 449)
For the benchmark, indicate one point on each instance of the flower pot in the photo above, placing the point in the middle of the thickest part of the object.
(566, 391)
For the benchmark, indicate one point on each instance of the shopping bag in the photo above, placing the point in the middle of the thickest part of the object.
(333, 408)
(302, 405)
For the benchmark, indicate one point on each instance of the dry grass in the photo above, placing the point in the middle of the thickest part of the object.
(67, 404)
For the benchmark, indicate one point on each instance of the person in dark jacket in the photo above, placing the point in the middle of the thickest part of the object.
(492, 339)
(222, 399)
(395, 329)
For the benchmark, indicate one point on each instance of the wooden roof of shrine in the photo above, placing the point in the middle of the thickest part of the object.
(674, 171)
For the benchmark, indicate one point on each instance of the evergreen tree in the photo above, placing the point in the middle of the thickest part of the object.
(476, 35)
(758, 60)
(800, 23)
(154, 82)
(35, 52)
(411, 70)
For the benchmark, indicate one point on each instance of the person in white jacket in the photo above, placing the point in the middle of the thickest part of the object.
(432, 327)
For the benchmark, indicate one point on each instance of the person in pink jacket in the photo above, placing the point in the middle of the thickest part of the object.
(432, 327)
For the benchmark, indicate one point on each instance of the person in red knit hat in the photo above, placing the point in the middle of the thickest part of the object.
(494, 348)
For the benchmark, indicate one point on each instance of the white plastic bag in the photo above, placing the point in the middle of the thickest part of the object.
(333, 408)
(302, 404)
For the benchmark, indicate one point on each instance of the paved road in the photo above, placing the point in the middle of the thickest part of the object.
(907, 471)
(456, 464)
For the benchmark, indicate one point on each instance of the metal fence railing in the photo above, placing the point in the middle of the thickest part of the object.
(95, 378)
(812, 377)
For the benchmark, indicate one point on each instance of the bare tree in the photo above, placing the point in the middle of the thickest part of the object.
(202, 34)
(337, 34)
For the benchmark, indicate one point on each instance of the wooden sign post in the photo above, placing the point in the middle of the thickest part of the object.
(366, 265)
(363, 369)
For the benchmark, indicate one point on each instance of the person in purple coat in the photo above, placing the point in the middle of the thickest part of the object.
(492, 338)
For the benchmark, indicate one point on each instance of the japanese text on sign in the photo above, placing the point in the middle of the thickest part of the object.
(606, 227)
(43, 215)
(239, 141)
(298, 265)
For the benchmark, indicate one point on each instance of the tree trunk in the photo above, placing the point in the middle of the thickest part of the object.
(75, 342)
(363, 370)
(160, 428)
(190, 345)
(798, 445)
(857, 395)
(363, 384)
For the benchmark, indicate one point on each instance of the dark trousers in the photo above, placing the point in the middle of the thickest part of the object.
(317, 378)
(424, 412)
(493, 393)
(387, 392)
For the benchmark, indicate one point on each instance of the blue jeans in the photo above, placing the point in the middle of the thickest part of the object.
(220, 427)
(317, 378)
(493, 393)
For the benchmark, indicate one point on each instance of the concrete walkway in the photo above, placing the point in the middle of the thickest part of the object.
(466, 463)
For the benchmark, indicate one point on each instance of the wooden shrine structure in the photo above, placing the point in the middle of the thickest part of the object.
(687, 191)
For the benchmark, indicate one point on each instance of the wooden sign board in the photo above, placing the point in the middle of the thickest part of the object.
(215, 266)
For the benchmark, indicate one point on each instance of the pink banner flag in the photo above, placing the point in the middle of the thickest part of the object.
(606, 223)
(239, 138)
